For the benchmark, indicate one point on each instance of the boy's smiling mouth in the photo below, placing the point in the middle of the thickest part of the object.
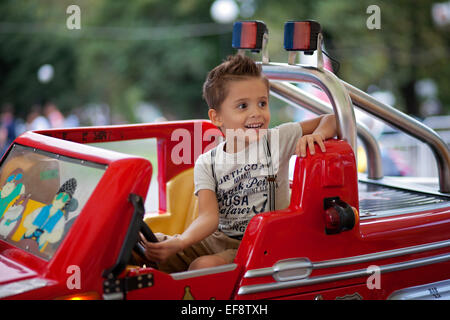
(254, 125)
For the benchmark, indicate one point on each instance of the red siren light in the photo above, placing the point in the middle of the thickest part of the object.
(301, 35)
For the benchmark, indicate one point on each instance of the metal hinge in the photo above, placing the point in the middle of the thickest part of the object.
(116, 289)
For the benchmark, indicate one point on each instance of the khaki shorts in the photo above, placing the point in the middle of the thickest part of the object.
(218, 244)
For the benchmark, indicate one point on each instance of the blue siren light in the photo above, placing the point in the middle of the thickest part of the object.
(249, 35)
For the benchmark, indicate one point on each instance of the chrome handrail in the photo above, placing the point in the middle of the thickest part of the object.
(330, 84)
(300, 98)
(409, 125)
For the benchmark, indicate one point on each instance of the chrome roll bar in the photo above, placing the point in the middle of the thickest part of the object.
(330, 84)
(343, 96)
(300, 98)
(409, 125)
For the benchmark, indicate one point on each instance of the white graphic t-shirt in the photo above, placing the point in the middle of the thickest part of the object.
(242, 186)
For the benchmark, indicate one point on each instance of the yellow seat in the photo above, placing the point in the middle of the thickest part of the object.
(182, 205)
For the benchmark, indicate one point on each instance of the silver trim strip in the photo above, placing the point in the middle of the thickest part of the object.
(439, 290)
(14, 288)
(262, 272)
(113, 296)
(381, 255)
(343, 275)
(357, 259)
(203, 272)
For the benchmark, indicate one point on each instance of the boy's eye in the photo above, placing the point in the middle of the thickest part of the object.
(262, 103)
(242, 106)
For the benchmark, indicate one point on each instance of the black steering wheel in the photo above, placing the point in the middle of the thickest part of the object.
(149, 236)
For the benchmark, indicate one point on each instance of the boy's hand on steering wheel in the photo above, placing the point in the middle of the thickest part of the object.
(160, 251)
(308, 141)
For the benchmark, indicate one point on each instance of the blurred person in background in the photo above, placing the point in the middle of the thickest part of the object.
(53, 115)
(35, 119)
(73, 118)
(7, 127)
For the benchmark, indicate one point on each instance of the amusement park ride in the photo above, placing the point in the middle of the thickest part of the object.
(70, 212)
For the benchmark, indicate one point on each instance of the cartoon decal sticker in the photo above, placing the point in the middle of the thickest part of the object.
(10, 191)
(41, 196)
(12, 216)
(11, 202)
(46, 224)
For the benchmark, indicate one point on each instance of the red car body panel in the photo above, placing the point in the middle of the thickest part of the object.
(96, 237)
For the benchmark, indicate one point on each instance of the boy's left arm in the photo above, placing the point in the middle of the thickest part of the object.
(315, 130)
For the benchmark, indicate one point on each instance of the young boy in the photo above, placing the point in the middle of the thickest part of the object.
(230, 188)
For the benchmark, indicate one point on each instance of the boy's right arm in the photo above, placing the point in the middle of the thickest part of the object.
(205, 224)
(207, 220)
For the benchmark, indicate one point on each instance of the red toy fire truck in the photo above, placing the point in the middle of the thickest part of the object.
(71, 212)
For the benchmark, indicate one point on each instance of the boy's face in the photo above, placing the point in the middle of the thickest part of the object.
(246, 107)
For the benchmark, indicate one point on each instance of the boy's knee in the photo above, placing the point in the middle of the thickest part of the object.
(206, 262)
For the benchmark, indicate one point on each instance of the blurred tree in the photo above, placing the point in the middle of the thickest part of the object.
(125, 52)
(25, 47)
(147, 57)
(144, 50)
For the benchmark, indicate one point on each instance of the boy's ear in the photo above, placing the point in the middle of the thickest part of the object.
(215, 117)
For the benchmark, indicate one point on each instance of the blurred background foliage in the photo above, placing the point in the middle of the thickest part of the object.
(158, 52)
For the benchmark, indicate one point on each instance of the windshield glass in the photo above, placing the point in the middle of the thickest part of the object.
(41, 196)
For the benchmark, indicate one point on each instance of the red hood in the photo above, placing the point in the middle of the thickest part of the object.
(11, 271)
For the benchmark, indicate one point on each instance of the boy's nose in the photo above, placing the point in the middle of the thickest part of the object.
(255, 112)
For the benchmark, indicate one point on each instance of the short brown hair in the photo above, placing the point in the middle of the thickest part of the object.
(237, 67)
